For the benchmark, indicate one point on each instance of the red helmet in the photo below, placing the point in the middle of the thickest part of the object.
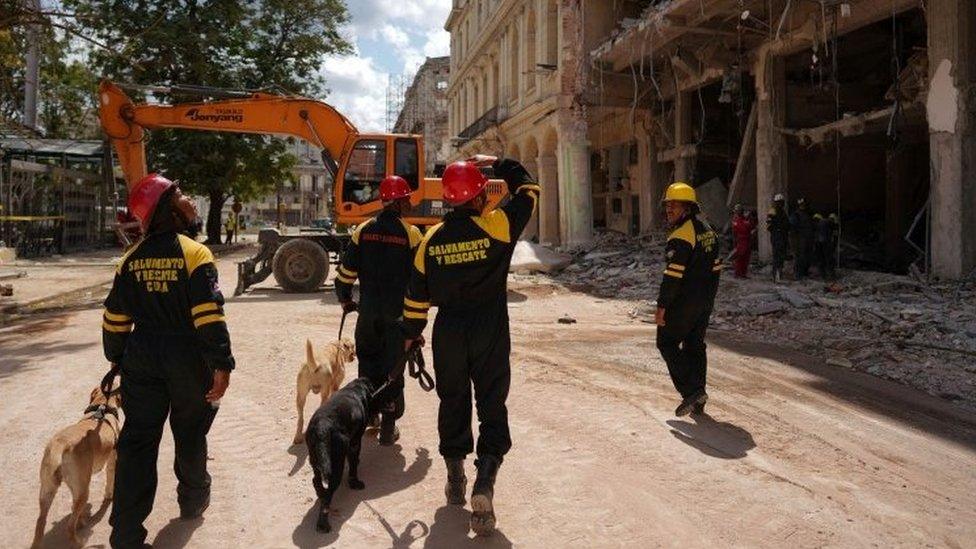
(394, 187)
(462, 181)
(145, 195)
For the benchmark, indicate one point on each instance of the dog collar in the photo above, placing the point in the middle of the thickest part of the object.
(99, 411)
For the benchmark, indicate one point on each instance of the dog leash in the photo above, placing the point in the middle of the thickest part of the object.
(108, 380)
(417, 370)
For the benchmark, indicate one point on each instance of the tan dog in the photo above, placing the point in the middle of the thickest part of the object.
(75, 454)
(321, 375)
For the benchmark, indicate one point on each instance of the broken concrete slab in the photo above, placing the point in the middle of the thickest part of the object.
(767, 307)
(530, 257)
(795, 298)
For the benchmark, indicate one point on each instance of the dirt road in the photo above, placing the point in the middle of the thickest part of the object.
(793, 454)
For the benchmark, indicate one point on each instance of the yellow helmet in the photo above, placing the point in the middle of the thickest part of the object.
(680, 192)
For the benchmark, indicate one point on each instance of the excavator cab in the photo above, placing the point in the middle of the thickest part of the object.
(374, 157)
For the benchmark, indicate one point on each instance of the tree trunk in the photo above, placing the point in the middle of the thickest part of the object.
(214, 225)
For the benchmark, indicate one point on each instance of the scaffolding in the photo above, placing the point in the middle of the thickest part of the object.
(396, 91)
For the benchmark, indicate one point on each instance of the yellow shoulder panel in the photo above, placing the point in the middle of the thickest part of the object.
(413, 233)
(495, 223)
(685, 232)
(196, 254)
(359, 229)
(419, 260)
(125, 257)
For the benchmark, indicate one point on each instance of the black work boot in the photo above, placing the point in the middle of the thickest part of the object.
(191, 512)
(389, 433)
(457, 483)
(688, 404)
(482, 510)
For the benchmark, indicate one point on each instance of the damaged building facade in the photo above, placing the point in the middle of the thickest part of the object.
(863, 108)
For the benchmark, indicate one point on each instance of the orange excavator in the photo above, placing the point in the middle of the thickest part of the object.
(356, 162)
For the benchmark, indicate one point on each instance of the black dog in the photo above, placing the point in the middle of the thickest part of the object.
(335, 434)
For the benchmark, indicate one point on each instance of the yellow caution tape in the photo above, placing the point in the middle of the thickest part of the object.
(31, 218)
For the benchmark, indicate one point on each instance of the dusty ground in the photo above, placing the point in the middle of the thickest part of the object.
(794, 453)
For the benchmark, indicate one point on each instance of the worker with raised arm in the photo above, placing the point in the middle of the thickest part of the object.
(686, 297)
(461, 267)
(379, 255)
(164, 327)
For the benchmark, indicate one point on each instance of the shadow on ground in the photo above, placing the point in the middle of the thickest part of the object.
(23, 346)
(713, 438)
(450, 531)
(899, 402)
(385, 471)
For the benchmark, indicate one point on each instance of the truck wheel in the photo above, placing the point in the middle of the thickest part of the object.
(300, 266)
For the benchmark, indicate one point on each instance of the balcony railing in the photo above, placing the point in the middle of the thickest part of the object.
(487, 120)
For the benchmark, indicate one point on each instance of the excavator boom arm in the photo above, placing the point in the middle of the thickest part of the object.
(308, 119)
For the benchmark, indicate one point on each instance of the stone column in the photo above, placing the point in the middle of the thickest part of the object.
(771, 150)
(575, 187)
(682, 135)
(532, 229)
(651, 185)
(951, 110)
(549, 201)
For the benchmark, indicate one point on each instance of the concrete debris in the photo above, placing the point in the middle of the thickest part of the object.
(893, 326)
(796, 298)
(529, 257)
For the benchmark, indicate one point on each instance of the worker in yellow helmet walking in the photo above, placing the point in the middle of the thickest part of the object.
(687, 295)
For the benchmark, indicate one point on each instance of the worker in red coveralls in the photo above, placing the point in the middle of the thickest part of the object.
(743, 226)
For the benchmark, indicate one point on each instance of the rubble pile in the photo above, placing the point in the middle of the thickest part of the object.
(922, 335)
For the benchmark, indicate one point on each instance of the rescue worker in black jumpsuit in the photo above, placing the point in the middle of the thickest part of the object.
(380, 255)
(803, 227)
(686, 297)
(826, 242)
(461, 267)
(778, 225)
(164, 326)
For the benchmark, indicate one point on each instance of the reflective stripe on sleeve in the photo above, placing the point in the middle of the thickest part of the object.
(207, 319)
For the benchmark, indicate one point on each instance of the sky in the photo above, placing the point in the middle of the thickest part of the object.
(391, 37)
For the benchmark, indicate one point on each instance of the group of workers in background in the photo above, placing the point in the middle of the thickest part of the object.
(813, 239)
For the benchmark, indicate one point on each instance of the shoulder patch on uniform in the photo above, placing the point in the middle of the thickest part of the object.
(419, 260)
(125, 257)
(196, 254)
(685, 232)
(359, 229)
(413, 234)
(495, 223)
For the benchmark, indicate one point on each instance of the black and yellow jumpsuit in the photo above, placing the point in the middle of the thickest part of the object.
(164, 326)
(687, 295)
(461, 267)
(379, 255)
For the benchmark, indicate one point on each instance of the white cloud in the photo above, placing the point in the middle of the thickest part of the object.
(358, 91)
(408, 32)
(394, 36)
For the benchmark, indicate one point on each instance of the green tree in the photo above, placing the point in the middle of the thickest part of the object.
(66, 91)
(258, 44)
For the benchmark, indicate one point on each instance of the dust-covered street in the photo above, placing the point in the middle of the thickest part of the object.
(793, 452)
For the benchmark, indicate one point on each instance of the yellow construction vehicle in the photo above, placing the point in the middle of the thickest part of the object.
(357, 163)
